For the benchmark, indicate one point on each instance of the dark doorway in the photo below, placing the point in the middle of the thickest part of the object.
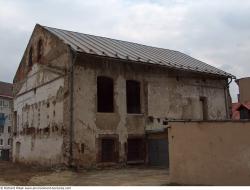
(136, 149)
(158, 152)
(204, 108)
(133, 96)
(108, 150)
(105, 93)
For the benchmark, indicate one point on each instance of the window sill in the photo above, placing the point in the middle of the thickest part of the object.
(106, 113)
(136, 162)
(135, 114)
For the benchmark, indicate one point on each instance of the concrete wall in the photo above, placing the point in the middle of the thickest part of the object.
(244, 85)
(209, 153)
(162, 96)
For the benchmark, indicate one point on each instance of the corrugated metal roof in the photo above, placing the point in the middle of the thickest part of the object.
(107, 47)
(6, 89)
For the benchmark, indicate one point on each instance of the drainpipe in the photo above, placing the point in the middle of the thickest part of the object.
(226, 89)
(71, 111)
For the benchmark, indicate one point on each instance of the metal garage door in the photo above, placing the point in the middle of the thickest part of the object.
(158, 152)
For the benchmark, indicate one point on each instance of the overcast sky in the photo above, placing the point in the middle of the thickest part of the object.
(216, 32)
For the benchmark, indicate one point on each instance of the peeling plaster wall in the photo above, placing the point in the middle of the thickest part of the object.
(40, 122)
(161, 96)
(40, 96)
(47, 82)
(180, 99)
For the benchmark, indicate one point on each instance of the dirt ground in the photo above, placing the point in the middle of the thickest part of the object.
(16, 174)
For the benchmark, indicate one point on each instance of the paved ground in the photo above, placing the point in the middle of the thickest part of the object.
(13, 174)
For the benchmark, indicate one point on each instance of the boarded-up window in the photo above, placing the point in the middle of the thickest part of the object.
(133, 96)
(105, 93)
(108, 150)
(135, 149)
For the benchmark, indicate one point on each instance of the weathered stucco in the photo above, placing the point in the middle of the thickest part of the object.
(42, 102)
(209, 153)
(39, 97)
(162, 96)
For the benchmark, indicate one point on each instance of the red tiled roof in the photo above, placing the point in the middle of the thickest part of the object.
(246, 105)
(236, 109)
(6, 89)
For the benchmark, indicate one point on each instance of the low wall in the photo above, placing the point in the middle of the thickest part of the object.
(210, 153)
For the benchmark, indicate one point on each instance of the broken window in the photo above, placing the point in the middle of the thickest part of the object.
(204, 108)
(133, 96)
(135, 149)
(30, 63)
(108, 150)
(105, 93)
(39, 50)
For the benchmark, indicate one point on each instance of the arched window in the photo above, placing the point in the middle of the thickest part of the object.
(105, 93)
(133, 96)
(39, 49)
(30, 63)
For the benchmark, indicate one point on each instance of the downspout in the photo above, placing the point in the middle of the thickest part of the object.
(71, 111)
(226, 89)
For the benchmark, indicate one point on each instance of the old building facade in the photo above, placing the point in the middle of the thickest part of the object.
(84, 100)
(6, 99)
(241, 109)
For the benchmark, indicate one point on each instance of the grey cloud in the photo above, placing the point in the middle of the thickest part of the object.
(216, 32)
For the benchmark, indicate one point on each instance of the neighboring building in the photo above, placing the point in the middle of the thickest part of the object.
(235, 111)
(85, 100)
(241, 109)
(6, 99)
(244, 88)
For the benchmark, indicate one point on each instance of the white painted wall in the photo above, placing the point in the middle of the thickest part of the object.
(40, 108)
